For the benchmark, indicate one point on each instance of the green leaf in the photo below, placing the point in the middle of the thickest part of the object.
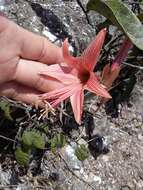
(82, 152)
(58, 141)
(26, 139)
(101, 7)
(120, 15)
(33, 139)
(22, 157)
(5, 107)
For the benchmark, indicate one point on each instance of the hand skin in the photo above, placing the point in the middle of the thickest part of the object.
(22, 55)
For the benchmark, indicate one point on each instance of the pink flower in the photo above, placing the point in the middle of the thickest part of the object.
(76, 73)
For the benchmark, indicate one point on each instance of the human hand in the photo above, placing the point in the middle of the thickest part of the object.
(22, 55)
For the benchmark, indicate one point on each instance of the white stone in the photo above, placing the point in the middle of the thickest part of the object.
(49, 35)
(94, 178)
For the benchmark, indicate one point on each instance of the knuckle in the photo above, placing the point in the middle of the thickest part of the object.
(43, 49)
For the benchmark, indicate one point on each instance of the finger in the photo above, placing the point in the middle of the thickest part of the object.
(27, 44)
(27, 74)
(38, 48)
(3, 22)
(21, 93)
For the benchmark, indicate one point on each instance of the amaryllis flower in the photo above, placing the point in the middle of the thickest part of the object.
(76, 74)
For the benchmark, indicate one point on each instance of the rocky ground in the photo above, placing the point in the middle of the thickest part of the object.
(119, 169)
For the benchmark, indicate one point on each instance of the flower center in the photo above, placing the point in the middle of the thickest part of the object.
(84, 76)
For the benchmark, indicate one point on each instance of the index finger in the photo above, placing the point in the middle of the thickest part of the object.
(31, 46)
(38, 48)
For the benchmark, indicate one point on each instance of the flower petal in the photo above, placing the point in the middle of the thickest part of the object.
(94, 86)
(106, 71)
(77, 104)
(61, 94)
(70, 60)
(91, 54)
(123, 51)
(114, 73)
(109, 74)
(60, 73)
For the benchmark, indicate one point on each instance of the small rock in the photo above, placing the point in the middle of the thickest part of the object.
(70, 158)
(140, 137)
(94, 178)
(5, 177)
(82, 141)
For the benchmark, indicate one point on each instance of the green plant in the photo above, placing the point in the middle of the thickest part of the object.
(5, 107)
(22, 157)
(30, 140)
(33, 140)
(58, 141)
(120, 15)
(82, 152)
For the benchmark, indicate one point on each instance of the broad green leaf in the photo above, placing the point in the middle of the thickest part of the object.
(120, 15)
(33, 139)
(22, 157)
(101, 7)
(5, 107)
(82, 152)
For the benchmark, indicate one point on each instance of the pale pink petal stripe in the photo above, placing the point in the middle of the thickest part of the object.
(94, 86)
(61, 94)
(66, 95)
(77, 104)
(57, 93)
(91, 55)
(60, 73)
(65, 78)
